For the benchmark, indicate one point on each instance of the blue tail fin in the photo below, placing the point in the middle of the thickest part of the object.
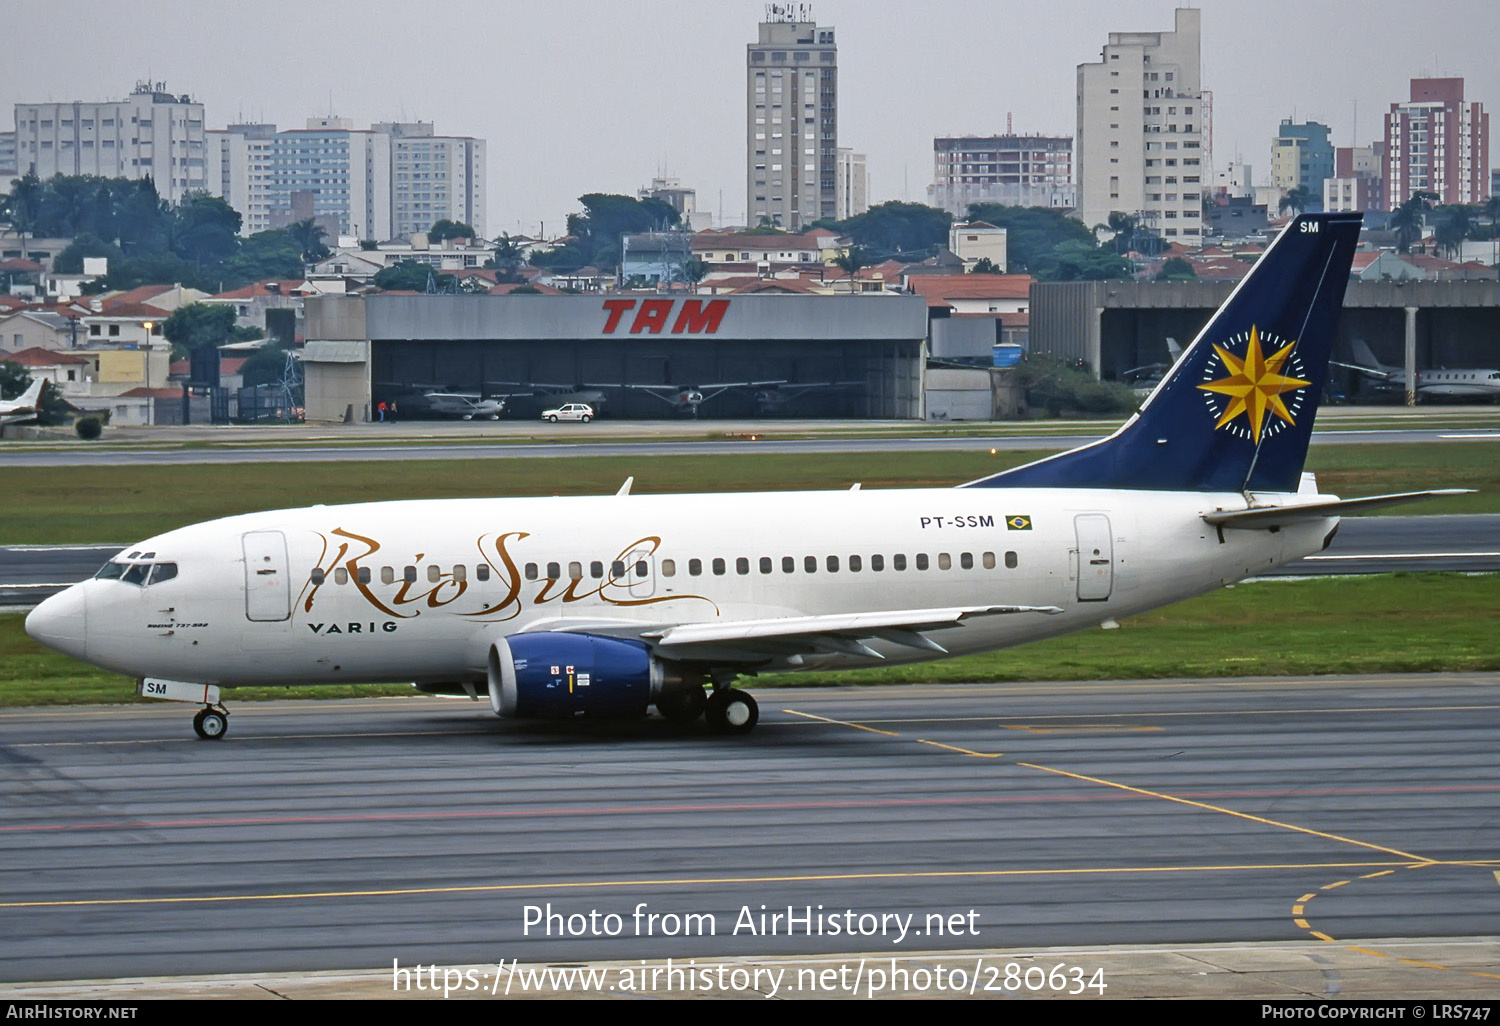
(1236, 411)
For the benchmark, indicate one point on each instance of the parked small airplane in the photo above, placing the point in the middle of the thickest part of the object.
(1437, 382)
(774, 400)
(23, 407)
(467, 405)
(612, 605)
(686, 399)
(545, 395)
(1146, 377)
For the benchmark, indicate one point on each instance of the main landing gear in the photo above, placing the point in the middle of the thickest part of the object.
(728, 710)
(212, 722)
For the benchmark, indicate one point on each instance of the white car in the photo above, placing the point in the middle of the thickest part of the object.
(570, 411)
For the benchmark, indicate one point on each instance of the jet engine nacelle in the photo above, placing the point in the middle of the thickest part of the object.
(550, 676)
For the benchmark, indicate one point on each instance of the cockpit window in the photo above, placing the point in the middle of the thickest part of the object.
(136, 573)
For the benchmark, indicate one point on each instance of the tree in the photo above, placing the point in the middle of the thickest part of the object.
(1080, 261)
(851, 262)
(896, 227)
(411, 276)
(268, 254)
(1454, 225)
(70, 260)
(985, 265)
(205, 229)
(1408, 218)
(308, 236)
(508, 260)
(444, 229)
(198, 324)
(1297, 200)
(1031, 232)
(1176, 269)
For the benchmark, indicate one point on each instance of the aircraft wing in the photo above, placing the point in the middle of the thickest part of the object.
(842, 632)
(1267, 517)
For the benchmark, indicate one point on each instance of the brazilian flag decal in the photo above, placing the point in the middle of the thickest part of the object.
(1018, 523)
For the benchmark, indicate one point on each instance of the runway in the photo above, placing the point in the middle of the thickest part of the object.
(1365, 545)
(578, 440)
(343, 835)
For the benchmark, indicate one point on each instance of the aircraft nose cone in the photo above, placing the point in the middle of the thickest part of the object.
(61, 622)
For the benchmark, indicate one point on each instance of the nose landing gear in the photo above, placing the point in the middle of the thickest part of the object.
(211, 723)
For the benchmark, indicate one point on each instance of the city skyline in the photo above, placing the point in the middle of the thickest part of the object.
(568, 106)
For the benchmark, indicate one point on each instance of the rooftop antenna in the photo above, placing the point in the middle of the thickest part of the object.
(1008, 130)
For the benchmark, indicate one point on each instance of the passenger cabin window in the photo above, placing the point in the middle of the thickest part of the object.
(433, 574)
(765, 564)
(1010, 560)
(810, 564)
(718, 568)
(482, 572)
(966, 560)
(989, 561)
(554, 571)
(409, 574)
(641, 569)
(833, 564)
(898, 561)
(742, 566)
(460, 573)
(340, 575)
(617, 569)
(945, 561)
(921, 561)
(695, 567)
(364, 575)
(668, 567)
(317, 575)
(387, 575)
(788, 564)
(877, 563)
(575, 571)
(854, 564)
(531, 571)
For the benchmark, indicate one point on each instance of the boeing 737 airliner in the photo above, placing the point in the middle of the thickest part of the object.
(613, 605)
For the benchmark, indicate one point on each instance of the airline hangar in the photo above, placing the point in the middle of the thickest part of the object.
(838, 356)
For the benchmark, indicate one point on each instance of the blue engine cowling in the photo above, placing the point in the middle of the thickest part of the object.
(547, 675)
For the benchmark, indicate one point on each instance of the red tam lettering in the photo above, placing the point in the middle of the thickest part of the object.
(616, 308)
(698, 317)
(652, 316)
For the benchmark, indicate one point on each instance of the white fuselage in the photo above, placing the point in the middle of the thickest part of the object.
(1460, 383)
(417, 590)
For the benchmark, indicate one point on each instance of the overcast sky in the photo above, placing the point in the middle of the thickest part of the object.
(601, 95)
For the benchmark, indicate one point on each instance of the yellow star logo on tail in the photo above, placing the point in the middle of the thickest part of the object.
(1255, 385)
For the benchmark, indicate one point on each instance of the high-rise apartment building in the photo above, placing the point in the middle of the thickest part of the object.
(1301, 157)
(1438, 143)
(150, 134)
(1356, 184)
(853, 184)
(392, 179)
(239, 163)
(1141, 145)
(1016, 170)
(433, 177)
(346, 171)
(8, 169)
(791, 120)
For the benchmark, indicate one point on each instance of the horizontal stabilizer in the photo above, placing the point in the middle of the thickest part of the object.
(1279, 516)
